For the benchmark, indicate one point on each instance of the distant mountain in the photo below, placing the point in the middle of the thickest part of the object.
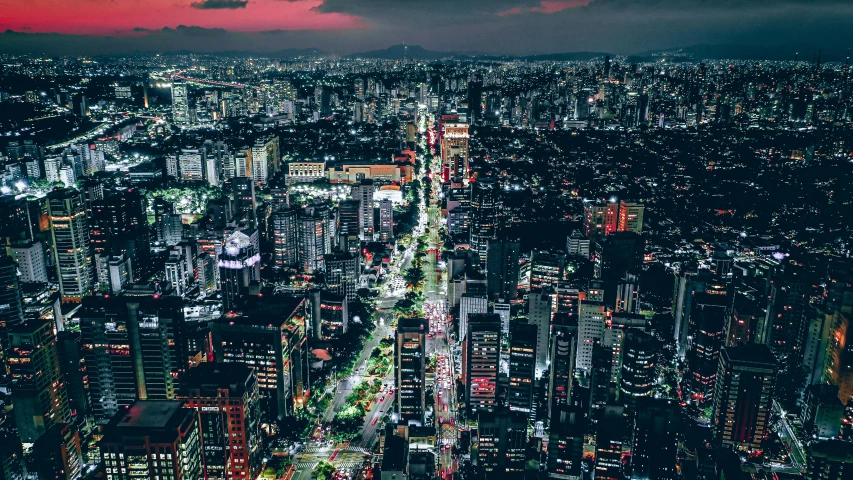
(566, 57)
(405, 51)
(752, 52)
(287, 53)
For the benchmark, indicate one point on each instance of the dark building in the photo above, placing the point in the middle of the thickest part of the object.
(655, 445)
(58, 453)
(522, 367)
(565, 445)
(38, 388)
(410, 369)
(118, 225)
(502, 444)
(271, 336)
(609, 446)
(742, 396)
(134, 347)
(564, 344)
(502, 268)
(786, 325)
(485, 199)
(11, 308)
(708, 318)
(830, 460)
(74, 371)
(546, 270)
(480, 361)
(341, 274)
(615, 255)
(227, 400)
(152, 439)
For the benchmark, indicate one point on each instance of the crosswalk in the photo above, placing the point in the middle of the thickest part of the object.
(310, 465)
(340, 465)
(348, 465)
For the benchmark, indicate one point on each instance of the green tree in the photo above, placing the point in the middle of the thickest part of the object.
(323, 470)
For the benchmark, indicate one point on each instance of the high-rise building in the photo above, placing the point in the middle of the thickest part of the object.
(454, 141)
(386, 219)
(502, 268)
(180, 103)
(38, 394)
(363, 192)
(480, 361)
(58, 453)
(822, 411)
(284, 236)
(564, 342)
(592, 322)
(70, 236)
(600, 219)
(75, 372)
(639, 362)
(609, 446)
(522, 367)
(12, 311)
(565, 445)
(410, 369)
(239, 266)
(502, 444)
(468, 304)
(270, 332)
(485, 198)
(616, 255)
(577, 245)
(829, 460)
(539, 313)
(31, 261)
(707, 321)
(341, 274)
(546, 270)
(152, 439)
(742, 396)
(786, 325)
(265, 159)
(630, 217)
(654, 454)
(348, 226)
(191, 163)
(227, 400)
(134, 347)
(314, 238)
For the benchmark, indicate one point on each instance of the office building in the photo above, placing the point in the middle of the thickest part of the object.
(314, 238)
(239, 267)
(785, 327)
(31, 261)
(522, 368)
(591, 324)
(616, 255)
(577, 245)
(152, 439)
(386, 220)
(333, 315)
(58, 453)
(822, 412)
(502, 268)
(565, 444)
(630, 217)
(454, 142)
(75, 373)
(485, 200)
(546, 270)
(180, 103)
(38, 388)
(134, 347)
(539, 313)
(12, 313)
(468, 304)
(363, 192)
(742, 395)
(564, 343)
(226, 397)
(75, 266)
(348, 226)
(410, 369)
(342, 274)
(639, 364)
(284, 236)
(707, 320)
(268, 330)
(609, 446)
(654, 455)
(600, 219)
(480, 361)
(502, 444)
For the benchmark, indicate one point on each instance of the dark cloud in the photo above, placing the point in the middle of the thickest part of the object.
(219, 4)
(530, 27)
(141, 30)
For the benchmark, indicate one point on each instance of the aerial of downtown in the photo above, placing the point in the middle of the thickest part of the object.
(426, 240)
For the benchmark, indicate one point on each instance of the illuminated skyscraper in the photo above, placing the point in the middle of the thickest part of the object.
(284, 236)
(70, 234)
(180, 103)
(522, 367)
(480, 361)
(239, 266)
(485, 197)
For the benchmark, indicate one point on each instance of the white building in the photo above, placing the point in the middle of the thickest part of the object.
(539, 310)
(31, 262)
(468, 304)
(592, 322)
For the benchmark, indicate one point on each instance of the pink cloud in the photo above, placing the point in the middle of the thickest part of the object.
(547, 7)
(554, 6)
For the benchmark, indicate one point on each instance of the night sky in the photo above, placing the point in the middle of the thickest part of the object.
(487, 26)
